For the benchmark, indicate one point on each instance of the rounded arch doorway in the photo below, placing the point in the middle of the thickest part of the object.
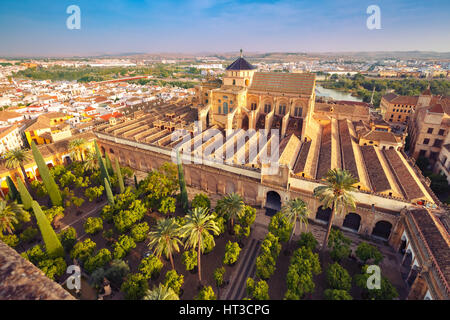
(382, 229)
(273, 203)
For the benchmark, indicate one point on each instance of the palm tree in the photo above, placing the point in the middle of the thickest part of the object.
(16, 158)
(9, 215)
(336, 195)
(233, 205)
(164, 239)
(196, 228)
(161, 292)
(296, 210)
(76, 147)
(91, 161)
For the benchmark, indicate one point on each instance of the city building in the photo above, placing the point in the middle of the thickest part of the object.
(10, 139)
(48, 128)
(429, 128)
(313, 138)
(398, 109)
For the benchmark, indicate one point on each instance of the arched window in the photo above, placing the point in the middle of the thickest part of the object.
(225, 108)
(267, 108)
(234, 82)
(282, 109)
(298, 111)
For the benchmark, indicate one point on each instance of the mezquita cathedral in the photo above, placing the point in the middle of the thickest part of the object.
(394, 201)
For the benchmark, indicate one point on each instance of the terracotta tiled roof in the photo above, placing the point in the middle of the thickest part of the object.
(299, 83)
(7, 130)
(375, 170)
(390, 96)
(347, 155)
(302, 157)
(436, 237)
(408, 184)
(324, 163)
(6, 115)
(437, 108)
(380, 136)
(406, 100)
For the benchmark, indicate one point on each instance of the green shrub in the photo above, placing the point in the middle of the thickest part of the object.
(77, 202)
(386, 292)
(338, 278)
(98, 261)
(39, 188)
(265, 266)
(123, 246)
(93, 225)
(206, 293)
(247, 217)
(108, 234)
(53, 213)
(209, 243)
(174, 280)
(117, 271)
(241, 232)
(53, 267)
(167, 205)
(257, 290)
(97, 277)
(220, 222)
(280, 227)
(218, 276)
(125, 218)
(83, 250)
(201, 200)
(366, 252)
(135, 287)
(308, 240)
(189, 259)
(11, 240)
(334, 294)
(304, 265)
(35, 255)
(28, 235)
(266, 260)
(93, 193)
(150, 267)
(68, 238)
(232, 251)
(139, 232)
(339, 244)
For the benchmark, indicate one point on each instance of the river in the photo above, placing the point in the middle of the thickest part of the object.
(335, 94)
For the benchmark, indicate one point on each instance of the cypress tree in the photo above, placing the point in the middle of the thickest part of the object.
(47, 178)
(52, 244)
(109, 194)
(136, 184)
(108, 164)
(12, 190)
(25, 196)
(103, 170)
(182, 182)
(119, 177)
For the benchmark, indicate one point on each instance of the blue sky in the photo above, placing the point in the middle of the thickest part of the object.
(192, 26)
